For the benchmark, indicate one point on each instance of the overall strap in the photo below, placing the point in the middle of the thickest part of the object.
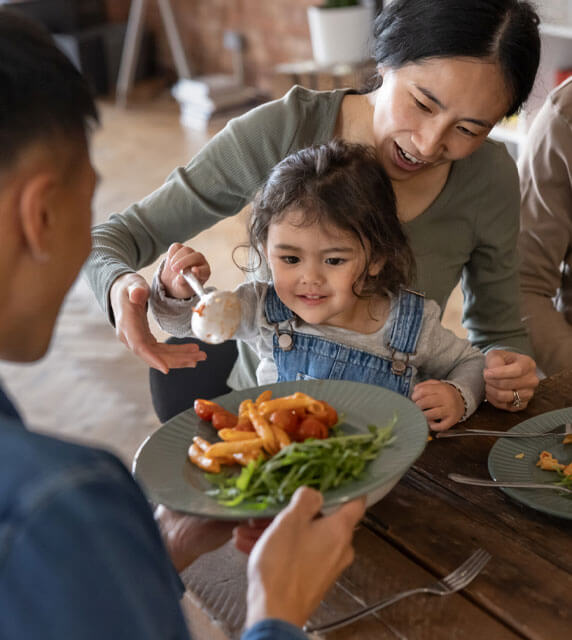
(275, 310)
(408, 320)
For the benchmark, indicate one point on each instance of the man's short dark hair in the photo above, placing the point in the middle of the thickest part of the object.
(42, 95)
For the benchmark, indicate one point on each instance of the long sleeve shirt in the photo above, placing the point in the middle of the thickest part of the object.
(545, 242)
(80, 554)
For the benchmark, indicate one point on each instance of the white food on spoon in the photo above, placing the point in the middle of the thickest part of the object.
(216, 316)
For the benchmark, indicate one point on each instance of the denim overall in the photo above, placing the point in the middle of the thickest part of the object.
(305, 357)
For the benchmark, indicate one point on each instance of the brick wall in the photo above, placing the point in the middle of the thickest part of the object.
(275, 31)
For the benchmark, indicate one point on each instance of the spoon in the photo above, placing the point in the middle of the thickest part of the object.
(216, 316)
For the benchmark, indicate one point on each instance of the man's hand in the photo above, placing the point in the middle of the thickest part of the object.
(128, 297)
(506, 373)
(299, 557)
(441, 403)
(188, 537)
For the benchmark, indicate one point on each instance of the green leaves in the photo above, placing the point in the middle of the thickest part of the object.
(321, 464)
(564, 481)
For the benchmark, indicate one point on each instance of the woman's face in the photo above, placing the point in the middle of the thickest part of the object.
(433, 112)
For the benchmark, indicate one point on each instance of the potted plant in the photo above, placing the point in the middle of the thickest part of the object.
(340, 31)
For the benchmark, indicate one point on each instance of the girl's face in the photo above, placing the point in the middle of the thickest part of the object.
(431, 113)
(314, 269)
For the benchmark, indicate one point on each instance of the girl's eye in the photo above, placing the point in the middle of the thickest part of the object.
(421, 106)
(467, 132)
(290, 259)
(335, 261)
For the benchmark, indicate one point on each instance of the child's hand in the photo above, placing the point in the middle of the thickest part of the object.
(441, 403)
(179, 257)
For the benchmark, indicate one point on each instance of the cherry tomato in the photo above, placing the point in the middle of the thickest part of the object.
(331, 415)
(224, 419)
(311, 428)
(300, 413)
(205, 409)
(286, 419)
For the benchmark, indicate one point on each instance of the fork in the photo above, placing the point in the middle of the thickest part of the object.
(483, 482)
(455, 581)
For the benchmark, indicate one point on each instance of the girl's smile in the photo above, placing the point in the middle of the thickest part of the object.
(316, 271)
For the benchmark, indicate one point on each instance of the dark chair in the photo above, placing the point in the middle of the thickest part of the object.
(177, 390)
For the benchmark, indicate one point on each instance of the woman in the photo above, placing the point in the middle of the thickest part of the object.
(448, 71)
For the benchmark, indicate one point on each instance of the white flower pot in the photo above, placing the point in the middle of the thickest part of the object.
(340, 35)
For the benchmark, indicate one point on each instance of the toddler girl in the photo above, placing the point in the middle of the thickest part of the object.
(336, 305)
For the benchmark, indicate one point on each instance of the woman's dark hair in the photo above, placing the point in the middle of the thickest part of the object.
(343, 185)
(503, 31)
(42, 95)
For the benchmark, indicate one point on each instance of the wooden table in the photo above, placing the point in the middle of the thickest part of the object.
(425, 527)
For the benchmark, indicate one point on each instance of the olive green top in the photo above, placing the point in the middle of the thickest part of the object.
(469, 231)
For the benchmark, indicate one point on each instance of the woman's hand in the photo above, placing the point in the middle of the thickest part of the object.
(441, 403)
(188, 537)
(128, 298)
(510, 379)
(179, 258)
(299, 557)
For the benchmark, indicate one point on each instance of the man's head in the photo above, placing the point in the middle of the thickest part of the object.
(46, 184)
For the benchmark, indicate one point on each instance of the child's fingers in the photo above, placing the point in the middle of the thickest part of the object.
(439, 418)
(435, 413)
(174, 249)
(428, 400)
(194, 261)
(425, 388)
(443, 424)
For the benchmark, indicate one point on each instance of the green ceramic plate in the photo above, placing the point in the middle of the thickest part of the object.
(504, 466)
(162, 467)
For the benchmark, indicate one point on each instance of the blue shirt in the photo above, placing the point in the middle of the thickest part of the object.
(80, 554)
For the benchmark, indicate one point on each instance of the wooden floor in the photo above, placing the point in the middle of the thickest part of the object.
(89, 387)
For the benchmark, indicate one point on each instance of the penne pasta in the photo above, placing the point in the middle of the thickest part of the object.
(225, 449)
(263, 426)
(263, 429)
(232, 435)
(297, 400)
(207, 464)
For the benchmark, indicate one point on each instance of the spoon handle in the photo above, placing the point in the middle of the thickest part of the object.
(193, 282)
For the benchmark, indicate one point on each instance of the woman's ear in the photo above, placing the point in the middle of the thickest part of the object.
(35, 214)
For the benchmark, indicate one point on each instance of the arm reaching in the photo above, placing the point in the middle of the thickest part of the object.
(299, 557)
(128, 299)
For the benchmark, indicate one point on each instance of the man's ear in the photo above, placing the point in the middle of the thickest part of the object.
(35, 214)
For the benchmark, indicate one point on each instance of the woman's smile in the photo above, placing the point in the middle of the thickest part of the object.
(407, 161)
(432, 113)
